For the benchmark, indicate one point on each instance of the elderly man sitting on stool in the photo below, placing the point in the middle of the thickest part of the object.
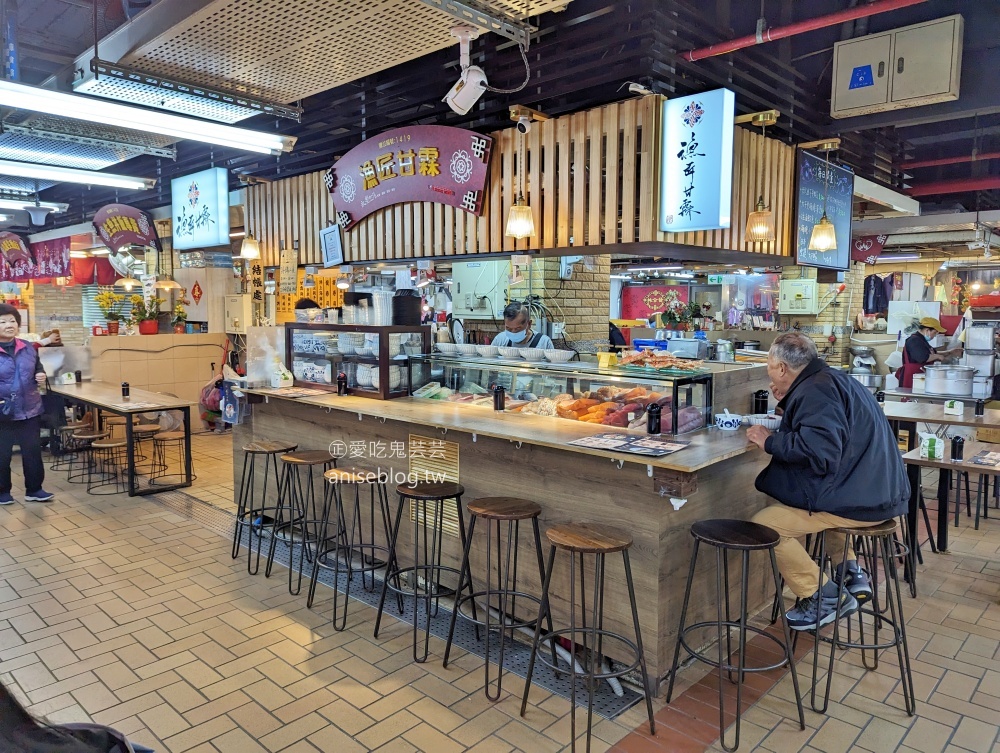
(834, 463)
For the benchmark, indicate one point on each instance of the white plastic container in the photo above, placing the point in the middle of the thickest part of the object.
(919, 383)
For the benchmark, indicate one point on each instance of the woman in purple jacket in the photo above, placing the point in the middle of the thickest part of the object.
(21, 373)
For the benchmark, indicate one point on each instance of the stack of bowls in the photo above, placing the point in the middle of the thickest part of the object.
(349, 342)
(395, 378)
(366, 375)
(381, 314)
(395, 345)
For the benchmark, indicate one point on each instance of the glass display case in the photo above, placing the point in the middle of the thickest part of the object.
(572, 391)
(374, 359)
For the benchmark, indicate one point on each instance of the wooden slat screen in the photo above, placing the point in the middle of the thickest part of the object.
(434, 459)
(591, 178)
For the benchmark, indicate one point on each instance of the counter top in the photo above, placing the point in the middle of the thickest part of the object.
(908, 393)
(929, 413)
(108, 395)
(707, 447)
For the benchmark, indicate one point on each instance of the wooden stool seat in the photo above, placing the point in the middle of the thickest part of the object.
(145, 428)
(263, 447)
(735, 534)
(885, 528)
(87, 436)
(118, 420)
(108, 444)
(588, 538)
(504, 508)
(428, 490)
(164, 436)
(350, 476)
(307, 457)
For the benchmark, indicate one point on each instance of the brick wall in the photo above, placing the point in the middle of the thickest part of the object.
(583, 302)
(53, 307)
(837, 316)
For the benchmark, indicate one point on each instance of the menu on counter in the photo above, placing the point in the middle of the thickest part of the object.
(135, 406)
(986, 458)
(636, 445)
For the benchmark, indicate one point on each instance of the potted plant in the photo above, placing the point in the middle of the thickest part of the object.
(146, 312)
(178, 318)
(110, 304)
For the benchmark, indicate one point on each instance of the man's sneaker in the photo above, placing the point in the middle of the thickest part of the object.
(39, 496)
(6, 499)
(803, 615)
(856, 580)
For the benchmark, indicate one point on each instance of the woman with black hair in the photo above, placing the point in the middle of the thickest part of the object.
(20, 732)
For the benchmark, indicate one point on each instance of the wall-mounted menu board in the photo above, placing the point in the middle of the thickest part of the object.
(811, 173)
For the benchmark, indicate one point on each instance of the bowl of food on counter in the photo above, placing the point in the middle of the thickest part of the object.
(769, 421)
(728, 421)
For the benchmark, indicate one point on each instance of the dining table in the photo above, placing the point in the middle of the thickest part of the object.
(107, 397)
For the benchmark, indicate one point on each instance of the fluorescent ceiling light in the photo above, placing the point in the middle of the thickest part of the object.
(61, 104)
(100, 251)
(898, 257)
(621, 277)
(26, 202)
(73, 175)
(655, 269)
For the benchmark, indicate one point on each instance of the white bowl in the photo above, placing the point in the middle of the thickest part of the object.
(466, 349)
(365, 376)
(767, 420)
(509, 352)
(448, 349)
(728, 421)
(395, 378)
(488, 351)
(559, 356)
(365, 351)
(532, 354)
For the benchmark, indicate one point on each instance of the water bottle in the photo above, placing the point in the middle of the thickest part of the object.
(499, 397)
(980, 408)
(957, 448)
(653, 414)
(341, 383)
(125, 391)
(78, 376)
(760, 402)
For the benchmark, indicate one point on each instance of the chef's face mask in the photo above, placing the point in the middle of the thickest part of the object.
(517, 337)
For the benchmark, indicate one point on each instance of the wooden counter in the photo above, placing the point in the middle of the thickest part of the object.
(528, 456)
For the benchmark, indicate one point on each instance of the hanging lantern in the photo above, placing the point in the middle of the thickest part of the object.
(760, 224)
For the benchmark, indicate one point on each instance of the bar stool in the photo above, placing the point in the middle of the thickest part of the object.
(160, 465)
(107, 473)
(79, 467)
(68, 445)
(879, 545)
(116, 424)
(503, 598)
(143, 433)
(744, 537)
(297, 500)
(248, 513)
(351, 543)
(581, 539)
(426, 559)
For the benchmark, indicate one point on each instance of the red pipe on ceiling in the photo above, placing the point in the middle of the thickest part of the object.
(955, 186)
(912, 165)
(781, 32)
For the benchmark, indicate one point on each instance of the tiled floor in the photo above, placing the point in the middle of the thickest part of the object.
(123, 611)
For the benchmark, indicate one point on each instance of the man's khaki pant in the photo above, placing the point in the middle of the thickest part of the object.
(794, 563)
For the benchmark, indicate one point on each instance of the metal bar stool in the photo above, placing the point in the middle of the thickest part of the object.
(351, 543)
(79, 467)
(744, 537)
(107, 473)
(501, 599)
(880, 546)
(68, 445)
(297, 501)
(253, 513)
(427, 567)
(581, 539)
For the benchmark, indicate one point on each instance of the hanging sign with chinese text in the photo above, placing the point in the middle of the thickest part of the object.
(419, 163)
(199, 208)
(696, 172)
(51, 257)
(815, 178)
(16, 264)
(288, 271)
(255, 281)
(120, 225)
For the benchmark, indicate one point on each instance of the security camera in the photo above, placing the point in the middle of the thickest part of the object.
(523, 124)
(467, 90)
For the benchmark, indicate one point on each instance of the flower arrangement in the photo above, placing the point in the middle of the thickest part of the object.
(179, 315)
(110, 304)
(143, 310)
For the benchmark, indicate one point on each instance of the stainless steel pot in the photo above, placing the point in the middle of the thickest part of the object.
(862, 351)
(871, 382)
(949, 380)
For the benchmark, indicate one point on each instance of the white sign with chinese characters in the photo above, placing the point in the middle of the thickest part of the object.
(696, 172)
(288, 272)
(200, 209)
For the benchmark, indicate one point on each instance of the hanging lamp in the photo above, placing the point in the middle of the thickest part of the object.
(129, 283)
(250, 248)
(760, 222)
(824, 234)
(520, 220)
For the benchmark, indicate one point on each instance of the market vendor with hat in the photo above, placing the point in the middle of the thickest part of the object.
(917, 351)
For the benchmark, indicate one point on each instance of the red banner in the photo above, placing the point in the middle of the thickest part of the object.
(121, 225)
(51, 257)
(16, 264)
(642, 301)
(419, 163)
(867, 248)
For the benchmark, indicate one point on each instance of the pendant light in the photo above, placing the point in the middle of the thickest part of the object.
(824, 234)
(129, 283)
(520, 220)
(250, 248)
(760, 222)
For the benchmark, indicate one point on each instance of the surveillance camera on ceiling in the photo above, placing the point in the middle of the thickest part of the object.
(467, 90)
(523, 124)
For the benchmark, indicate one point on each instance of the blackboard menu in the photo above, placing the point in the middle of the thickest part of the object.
(812, 172)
